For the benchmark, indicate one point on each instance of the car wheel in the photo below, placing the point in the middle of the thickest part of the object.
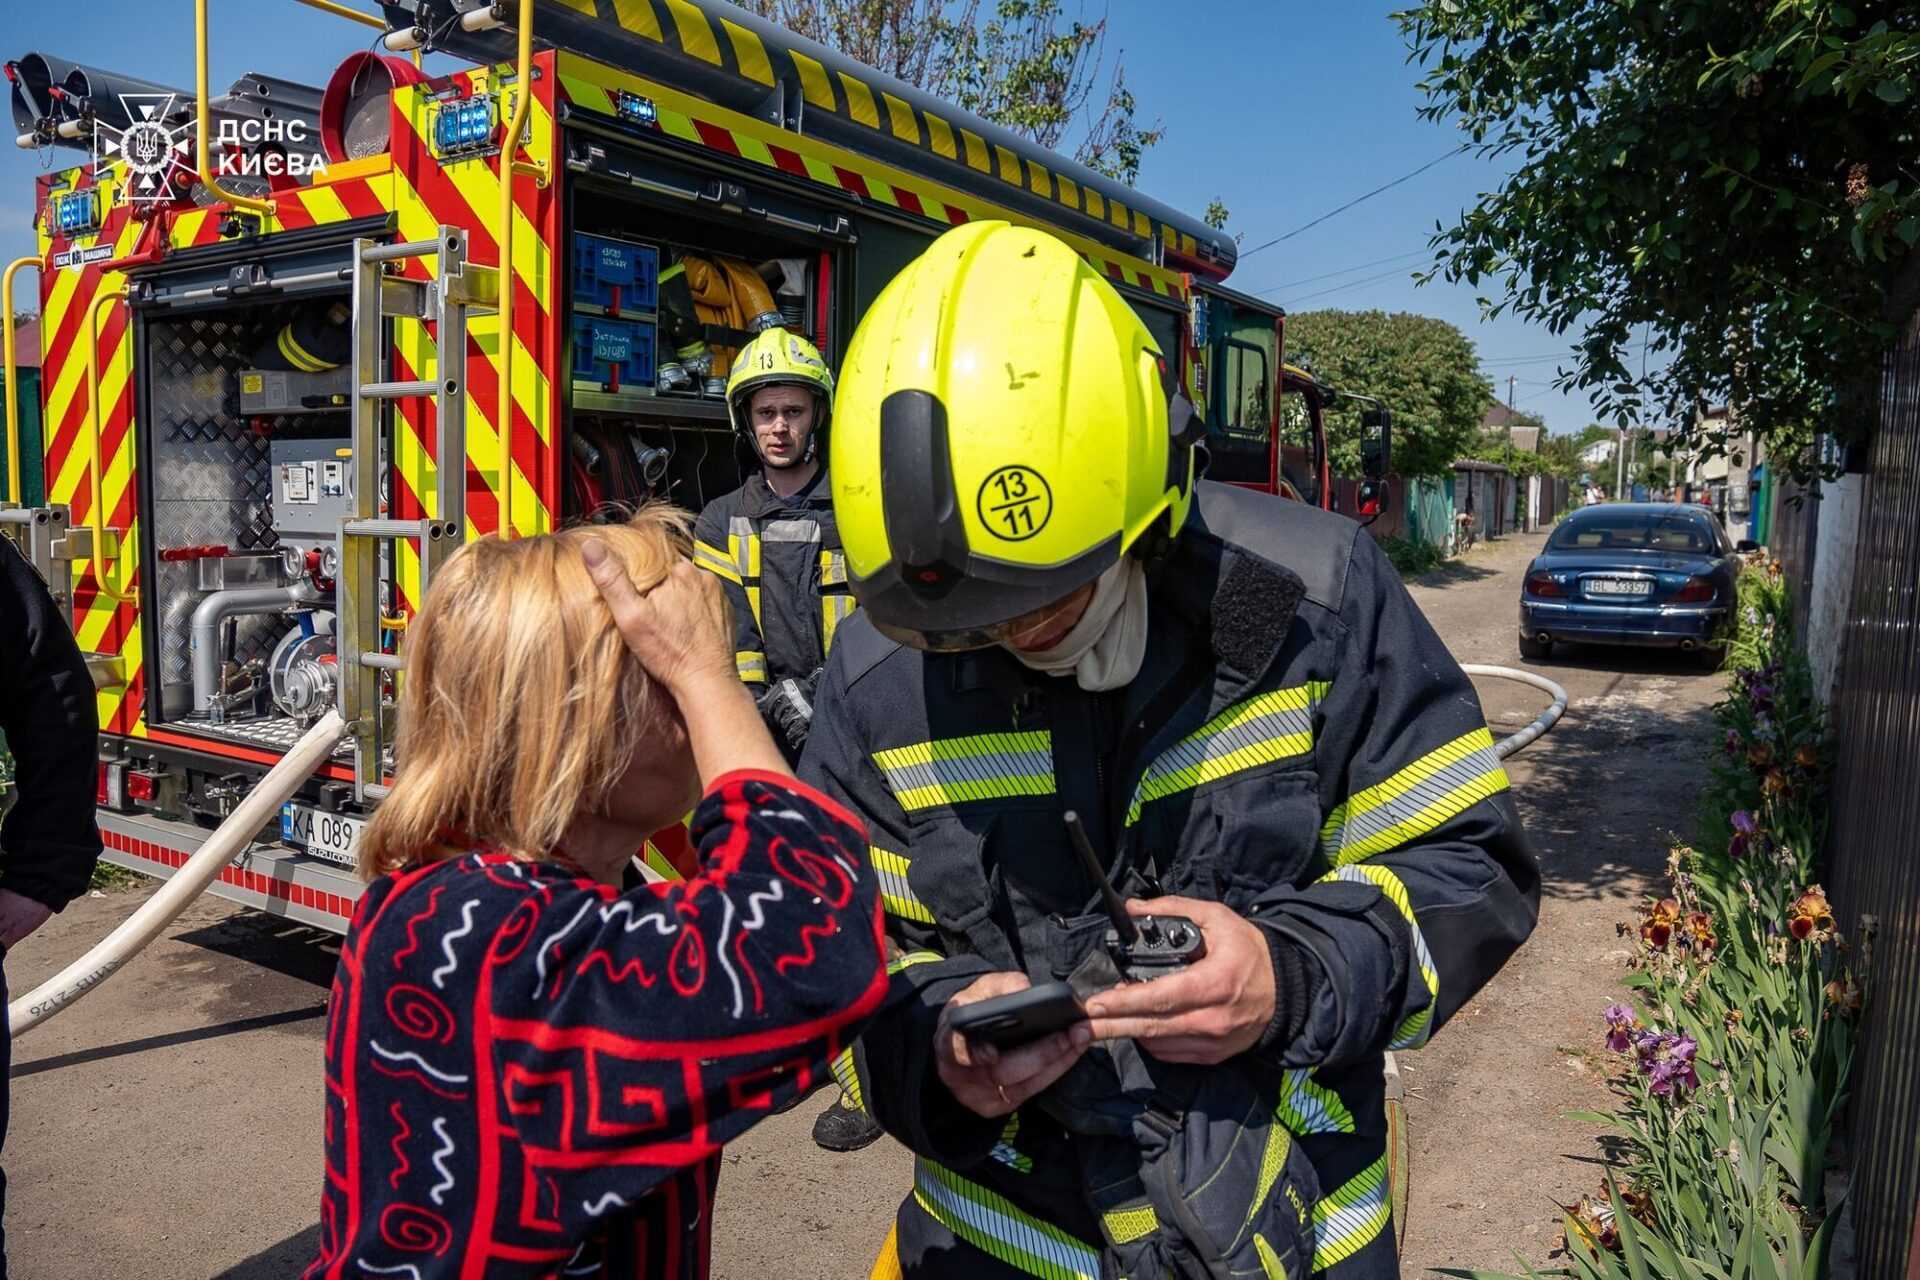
(1535, 649)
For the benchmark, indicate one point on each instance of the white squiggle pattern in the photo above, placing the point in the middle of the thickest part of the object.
(758, 919)
(398, 1269)
(417, 1061)
(440, 1188)
(611, 1200)
(726, 937)
(553, 940)
(446, 946)
(840, 858)
(575, 1267)
(653, 918)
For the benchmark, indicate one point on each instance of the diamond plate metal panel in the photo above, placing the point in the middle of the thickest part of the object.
(212, 482)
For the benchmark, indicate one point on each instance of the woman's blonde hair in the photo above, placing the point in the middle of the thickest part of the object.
(521, 706)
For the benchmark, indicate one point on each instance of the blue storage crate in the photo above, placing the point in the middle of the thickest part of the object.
(602, 264)
(606, 350)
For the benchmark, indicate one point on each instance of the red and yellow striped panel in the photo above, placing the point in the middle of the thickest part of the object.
(590, 86)
(465, 193)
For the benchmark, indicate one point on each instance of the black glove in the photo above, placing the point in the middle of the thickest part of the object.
(788, 708)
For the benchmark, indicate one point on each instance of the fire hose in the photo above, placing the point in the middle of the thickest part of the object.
(231, 839)
(1543, 722)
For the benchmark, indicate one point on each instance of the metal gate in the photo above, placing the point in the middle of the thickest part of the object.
(1873, 850)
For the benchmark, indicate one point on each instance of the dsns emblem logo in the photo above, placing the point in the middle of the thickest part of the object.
(156, 156)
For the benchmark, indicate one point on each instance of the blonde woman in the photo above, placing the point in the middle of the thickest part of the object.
(532, 1061)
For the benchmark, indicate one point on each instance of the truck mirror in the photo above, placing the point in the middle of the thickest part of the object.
(1376, 442)
(1371, 500)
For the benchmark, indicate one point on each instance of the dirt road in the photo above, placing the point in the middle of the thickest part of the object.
(169, 1126)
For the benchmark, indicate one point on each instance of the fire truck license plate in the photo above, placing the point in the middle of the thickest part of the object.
(332, 836)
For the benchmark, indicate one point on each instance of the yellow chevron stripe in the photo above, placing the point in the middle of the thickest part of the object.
(635, 16)
(1008, 165)
(1069, 191)
(977, 157)
(1039, 179)
(696, 37)
(1096, 204)
(859, 101)
(748, 52)
(814, 84)
(940, 135)
(900, 115)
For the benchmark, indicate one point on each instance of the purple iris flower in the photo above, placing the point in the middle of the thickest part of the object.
(1619, 1028)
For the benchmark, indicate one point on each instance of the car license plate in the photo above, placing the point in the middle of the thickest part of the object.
(1619, 587)
(332, 836)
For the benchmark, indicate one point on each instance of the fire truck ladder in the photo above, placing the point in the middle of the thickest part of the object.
(368, 554)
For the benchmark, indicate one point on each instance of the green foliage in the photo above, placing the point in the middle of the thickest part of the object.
(1725, 1177)
(1425, 370)
(1019, 63)
(1412, 558)
(1731, 178)
(1217, 215)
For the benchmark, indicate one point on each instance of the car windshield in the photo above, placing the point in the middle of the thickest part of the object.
(1634, 531)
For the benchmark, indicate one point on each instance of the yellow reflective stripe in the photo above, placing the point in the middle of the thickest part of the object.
(1006, 1153)
(1414, 801)
(896, 895)
(1308, 1107)
(298, 356)
(1269, 1260)
(992, 1224)
(849, 1078)
(1412, 1033)
(1273, 1159)
(908, 959)
(833, 569)
(715, 561)
(986, 766)
(834, 610)
(1348, 1220)
(743, 551)
(751, 666)
(1124, 1226)
(657, 862)
(1271, 726)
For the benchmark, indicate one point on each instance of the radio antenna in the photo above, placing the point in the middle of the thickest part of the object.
(1122, 922)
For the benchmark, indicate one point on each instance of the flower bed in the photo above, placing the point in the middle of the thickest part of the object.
(1735, 1046)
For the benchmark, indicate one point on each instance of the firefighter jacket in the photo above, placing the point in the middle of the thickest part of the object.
(786, 577)
(1300, 746)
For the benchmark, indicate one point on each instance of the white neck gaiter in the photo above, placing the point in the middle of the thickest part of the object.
(1106, 647)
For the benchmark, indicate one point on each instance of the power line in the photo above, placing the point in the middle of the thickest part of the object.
(1342, 288)
(1387, 186)
(1328, 275)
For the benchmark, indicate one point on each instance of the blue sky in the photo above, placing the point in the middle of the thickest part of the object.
(1283, 109)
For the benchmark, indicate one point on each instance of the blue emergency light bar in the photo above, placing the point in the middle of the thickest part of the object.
(75, 212)
(635, 109)
(463, 126)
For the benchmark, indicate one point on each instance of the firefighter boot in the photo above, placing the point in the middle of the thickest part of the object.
(844, 1126)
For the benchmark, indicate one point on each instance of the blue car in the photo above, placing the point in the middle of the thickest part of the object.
(1655, 574)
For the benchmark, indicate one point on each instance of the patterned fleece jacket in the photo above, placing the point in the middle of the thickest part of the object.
(530, 1074)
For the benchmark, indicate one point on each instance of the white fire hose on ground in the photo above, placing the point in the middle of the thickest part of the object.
(1545, 721)
(264, 801)
(202, 869)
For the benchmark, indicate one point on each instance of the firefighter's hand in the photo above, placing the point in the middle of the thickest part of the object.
(992, 1082)
(681, 628)
(1207, 1013)
(19, 916)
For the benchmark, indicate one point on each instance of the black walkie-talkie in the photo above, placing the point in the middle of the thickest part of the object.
(1142, 949)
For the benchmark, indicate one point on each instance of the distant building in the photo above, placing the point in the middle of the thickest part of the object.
(1598, 452)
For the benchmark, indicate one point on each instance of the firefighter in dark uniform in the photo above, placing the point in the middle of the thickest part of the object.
(774, 543)
(1260, 733)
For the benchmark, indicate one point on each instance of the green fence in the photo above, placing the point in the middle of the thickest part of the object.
(1430, 511)
(33, 489)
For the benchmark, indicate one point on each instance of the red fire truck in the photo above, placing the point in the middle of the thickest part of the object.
(276, 390)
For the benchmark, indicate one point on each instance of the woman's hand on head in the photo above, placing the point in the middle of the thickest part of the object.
(680, 629)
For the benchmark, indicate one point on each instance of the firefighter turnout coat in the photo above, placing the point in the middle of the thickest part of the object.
(784, 572)
(1300, 746)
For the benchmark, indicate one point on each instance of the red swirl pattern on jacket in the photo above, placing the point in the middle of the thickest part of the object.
(529, 1074)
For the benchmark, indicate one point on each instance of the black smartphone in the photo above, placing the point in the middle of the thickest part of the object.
(1009, 1021)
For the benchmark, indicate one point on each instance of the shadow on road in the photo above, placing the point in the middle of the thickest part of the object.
(298, 951)
(1454, 572)
(1618, 780)
(236, 1027)
(288, 1258)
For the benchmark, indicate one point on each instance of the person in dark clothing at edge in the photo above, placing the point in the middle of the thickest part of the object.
(1260, 732)
(774, 543)
(49, 841)
(533, 1057)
